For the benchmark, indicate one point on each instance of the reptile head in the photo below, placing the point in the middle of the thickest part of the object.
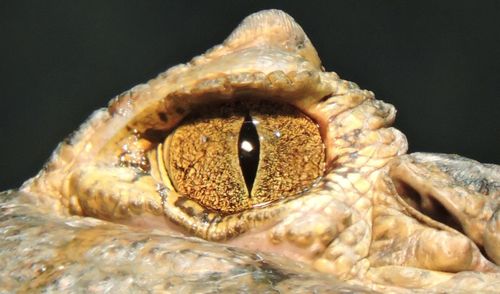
(329, 185)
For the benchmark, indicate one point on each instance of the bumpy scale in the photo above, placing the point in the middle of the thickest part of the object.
(377, 220)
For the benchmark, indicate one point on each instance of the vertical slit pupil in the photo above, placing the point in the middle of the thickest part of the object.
(248, 149)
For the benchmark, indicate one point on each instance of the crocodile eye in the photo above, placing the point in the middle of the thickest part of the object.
(236, 156)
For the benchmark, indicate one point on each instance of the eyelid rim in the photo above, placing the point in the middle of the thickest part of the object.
(310, 92)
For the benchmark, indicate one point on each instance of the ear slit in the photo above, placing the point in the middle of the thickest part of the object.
(426, 204)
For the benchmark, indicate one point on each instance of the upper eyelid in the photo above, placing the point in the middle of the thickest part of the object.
(278, 85)
(301, 90)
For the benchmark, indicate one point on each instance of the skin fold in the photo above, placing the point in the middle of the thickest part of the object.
(103, 215)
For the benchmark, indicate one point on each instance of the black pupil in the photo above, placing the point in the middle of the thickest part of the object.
(248, 147)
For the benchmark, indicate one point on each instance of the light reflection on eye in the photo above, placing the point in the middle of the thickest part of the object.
(246, 146)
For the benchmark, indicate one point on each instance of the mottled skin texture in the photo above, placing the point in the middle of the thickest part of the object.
(378, 220)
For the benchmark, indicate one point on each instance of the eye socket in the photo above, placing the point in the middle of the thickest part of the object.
(236, 156)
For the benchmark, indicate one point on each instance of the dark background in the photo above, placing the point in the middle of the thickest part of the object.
(436, 61)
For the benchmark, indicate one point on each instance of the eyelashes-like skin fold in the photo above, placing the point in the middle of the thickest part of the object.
(132, 163)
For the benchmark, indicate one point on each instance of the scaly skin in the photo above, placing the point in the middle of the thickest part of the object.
(364, 226)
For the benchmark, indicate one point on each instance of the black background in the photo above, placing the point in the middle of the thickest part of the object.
(436, 61)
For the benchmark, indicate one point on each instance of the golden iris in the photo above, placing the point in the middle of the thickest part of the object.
(239, 155)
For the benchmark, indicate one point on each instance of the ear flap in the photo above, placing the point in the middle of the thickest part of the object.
(274, 28)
